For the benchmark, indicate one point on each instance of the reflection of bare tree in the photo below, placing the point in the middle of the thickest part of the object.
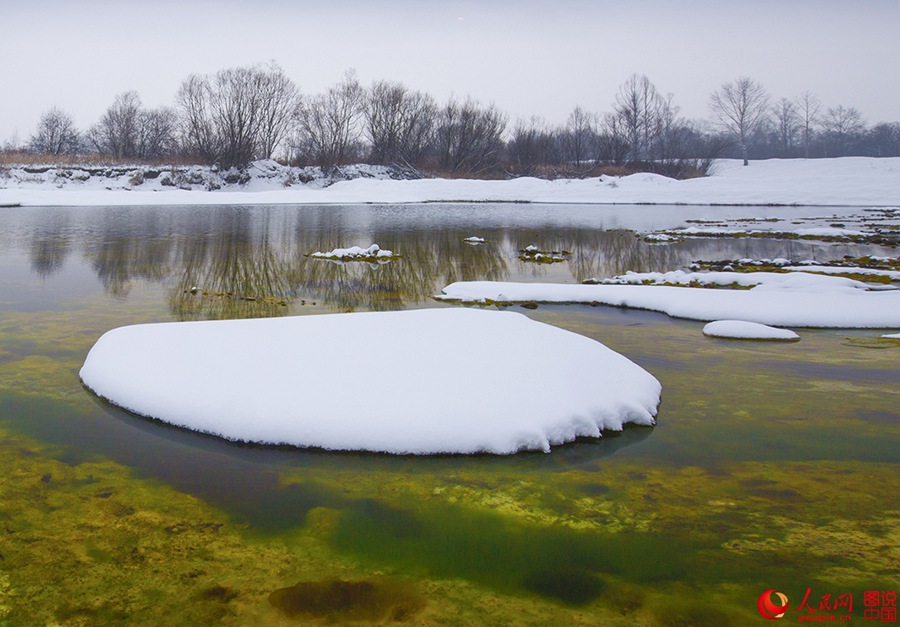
(616, 252)
(251, 262)
(429, 260)
(593, 252)
(237, 271)
(131, 245)
(51, 242)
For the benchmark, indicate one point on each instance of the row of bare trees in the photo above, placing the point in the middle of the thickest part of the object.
(238, 115)
(798, 127)
(127, 130)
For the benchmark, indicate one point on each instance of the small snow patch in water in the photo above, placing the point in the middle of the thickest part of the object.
(355, 253)
(742, 330)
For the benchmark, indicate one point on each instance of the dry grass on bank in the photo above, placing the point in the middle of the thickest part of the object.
(21, 158)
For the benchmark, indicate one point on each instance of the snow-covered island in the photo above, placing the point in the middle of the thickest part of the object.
(355, 253)
(845, 181)
(409, 382)
(796, 299)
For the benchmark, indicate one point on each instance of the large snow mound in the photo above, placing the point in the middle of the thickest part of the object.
(410, 382)
(790, 300)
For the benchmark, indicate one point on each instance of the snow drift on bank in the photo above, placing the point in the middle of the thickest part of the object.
(845, 181)
(421, 381)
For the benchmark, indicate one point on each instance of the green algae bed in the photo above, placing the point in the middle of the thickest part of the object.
(773, 466)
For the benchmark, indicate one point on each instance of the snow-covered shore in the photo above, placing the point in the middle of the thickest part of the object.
(847, 182)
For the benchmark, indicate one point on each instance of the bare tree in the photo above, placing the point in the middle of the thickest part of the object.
(613, 145)
(741, 108)
(117, 133)
(198, 130)
(808, 107)
(329, 123)
(279, 98)
(398, 123)
(883, 140)
(157, 133)
(580, 137)
(787, 124)
(843, 127)
(637, 105)
(12, 143)
(238, 115)
(532, 145)
(468, 137)
(56, 134)
(668, 136)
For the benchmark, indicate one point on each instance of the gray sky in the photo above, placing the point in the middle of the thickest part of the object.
(528, 57)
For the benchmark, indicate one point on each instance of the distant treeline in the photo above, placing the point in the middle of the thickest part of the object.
(242, 114)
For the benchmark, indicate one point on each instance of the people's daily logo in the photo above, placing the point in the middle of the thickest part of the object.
(768, 608)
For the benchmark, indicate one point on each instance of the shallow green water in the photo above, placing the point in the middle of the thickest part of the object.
(772, 465)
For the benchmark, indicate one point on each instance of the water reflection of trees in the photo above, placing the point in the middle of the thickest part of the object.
(129, 246)
(428, 261)
(236, 269)
(251, 262)
(241, 263)
(51, 242)
(593, 252)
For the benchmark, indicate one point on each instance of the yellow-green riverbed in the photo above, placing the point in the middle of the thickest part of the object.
(773, 466)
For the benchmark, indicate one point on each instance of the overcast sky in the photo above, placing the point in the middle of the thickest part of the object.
(527, 57)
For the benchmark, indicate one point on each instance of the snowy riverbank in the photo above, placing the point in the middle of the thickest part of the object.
(847, 182)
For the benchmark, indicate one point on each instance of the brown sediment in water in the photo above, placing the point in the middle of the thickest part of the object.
(340, 601)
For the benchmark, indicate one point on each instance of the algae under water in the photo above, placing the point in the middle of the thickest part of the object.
(772, 466)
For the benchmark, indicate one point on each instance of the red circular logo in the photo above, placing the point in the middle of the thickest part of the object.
(769, 609)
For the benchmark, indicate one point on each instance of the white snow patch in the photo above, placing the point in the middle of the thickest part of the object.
(355, 253)
(474, 240)
(797, 301)
(421, 381)
(660, 238)
(894, 275)
(828, 231)
(792, 280)
(812, 232)
(743, 330)
(892, 336)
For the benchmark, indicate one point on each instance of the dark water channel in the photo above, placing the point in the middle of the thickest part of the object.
(772, 465)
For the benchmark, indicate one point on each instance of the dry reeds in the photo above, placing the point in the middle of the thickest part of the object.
(22, 158)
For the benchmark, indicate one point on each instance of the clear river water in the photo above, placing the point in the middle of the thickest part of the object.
(773, 466)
